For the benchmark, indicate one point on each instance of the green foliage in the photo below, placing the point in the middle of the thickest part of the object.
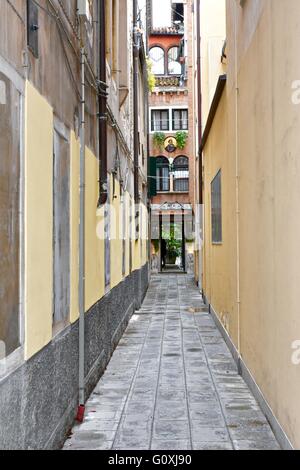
(155, 243)
(174, 247)
(159, 139)
(181, 137)
(173, 241)
(151, 76)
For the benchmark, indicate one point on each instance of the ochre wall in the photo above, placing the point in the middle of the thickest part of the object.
(268, 146)
(213, 35)
(219, 280)
(94, 245)
(38, 221)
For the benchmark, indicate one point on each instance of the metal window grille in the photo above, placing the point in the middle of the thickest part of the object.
(216, 209)
(181, 174)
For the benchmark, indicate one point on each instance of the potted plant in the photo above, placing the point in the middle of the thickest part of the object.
(174, 250)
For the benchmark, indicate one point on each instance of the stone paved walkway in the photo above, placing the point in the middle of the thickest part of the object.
(172, 383)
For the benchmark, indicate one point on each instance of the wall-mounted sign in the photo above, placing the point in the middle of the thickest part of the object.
(170, 144)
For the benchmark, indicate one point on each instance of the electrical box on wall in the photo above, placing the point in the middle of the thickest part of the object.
(83, 9)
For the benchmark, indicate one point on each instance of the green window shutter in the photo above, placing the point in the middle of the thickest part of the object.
(152, 177)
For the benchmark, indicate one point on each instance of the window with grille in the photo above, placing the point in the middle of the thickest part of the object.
(216, 209)
(162, 174)
(157, 57)
(180, 119)
(181, 174)
(159, 120)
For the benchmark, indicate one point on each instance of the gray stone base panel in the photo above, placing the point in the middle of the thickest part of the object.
(38, 402)
(279, 433)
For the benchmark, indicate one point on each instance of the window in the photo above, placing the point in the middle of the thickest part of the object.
(181, 174)
(157, 57)
(162, 174)
(216, 209)
(177, 13)
(61, 231)
(159, 120)
(180, 120)
(174, 66)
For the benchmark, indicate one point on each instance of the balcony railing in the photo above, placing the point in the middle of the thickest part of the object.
(168, 81)
(175, 29)
(177, 182)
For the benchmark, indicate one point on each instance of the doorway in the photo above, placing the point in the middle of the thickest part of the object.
(172, 243)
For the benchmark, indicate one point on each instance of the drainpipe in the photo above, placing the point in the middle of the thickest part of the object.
(81, 398)
(237, 189)
(102, 102)
(135, 101)
(200, 155)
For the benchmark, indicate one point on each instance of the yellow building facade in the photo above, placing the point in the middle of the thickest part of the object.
(251, 274)
(39, 321)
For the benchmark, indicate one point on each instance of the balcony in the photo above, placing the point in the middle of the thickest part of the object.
(174, 30)
(170, 81)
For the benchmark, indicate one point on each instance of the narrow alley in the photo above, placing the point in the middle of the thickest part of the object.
(172, 383)
(149, 249)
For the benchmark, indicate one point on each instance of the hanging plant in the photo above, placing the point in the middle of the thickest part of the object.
(181, 137)
(158, 140)
(151, 76)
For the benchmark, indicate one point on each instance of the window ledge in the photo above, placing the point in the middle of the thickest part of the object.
(172, 192)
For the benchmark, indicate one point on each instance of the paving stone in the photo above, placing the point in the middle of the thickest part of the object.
(207, 417)
(209, 434)
(165, 394)
(171, 445)
(77, 445)
(212, 446)
(171, 410)
(125, 441)
(172, 383)
(251, 431)
(171, 429)
(256, 445)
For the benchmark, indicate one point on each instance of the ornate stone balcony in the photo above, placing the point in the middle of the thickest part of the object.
(175, 29)
(167, 82)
